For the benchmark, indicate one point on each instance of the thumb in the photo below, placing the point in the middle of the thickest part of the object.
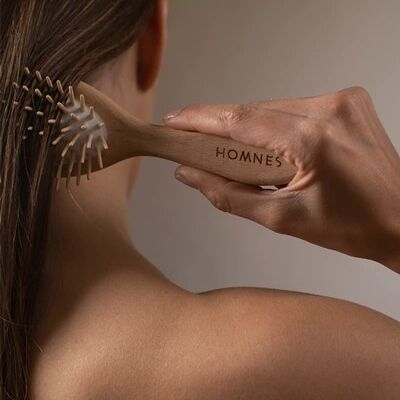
(265, 206)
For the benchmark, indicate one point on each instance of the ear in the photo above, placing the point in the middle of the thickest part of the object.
(151, 45)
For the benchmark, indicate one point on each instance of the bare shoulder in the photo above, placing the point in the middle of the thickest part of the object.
(236, 343)
(257, 343)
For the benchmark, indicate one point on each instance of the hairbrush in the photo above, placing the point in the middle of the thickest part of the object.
(94, 132)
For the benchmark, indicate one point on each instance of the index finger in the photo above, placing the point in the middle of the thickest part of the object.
(275, 130)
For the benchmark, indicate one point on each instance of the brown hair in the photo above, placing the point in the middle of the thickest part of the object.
(65, 40)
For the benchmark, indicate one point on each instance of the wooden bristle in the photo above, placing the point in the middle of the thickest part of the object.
(40, 113)
(75, 117)
(41, 133)
(64, 152)
(66, 129)
(105, 145)
(82, 102)
(39, 75)
(51, 121)
(15, 84)
(62, 108)
(100, 125)
(83, 127)
(71, 163)
(25, 88)
(89, 141)
(91, 112)
(71, 94)
(57, 139)
(60, 88)
(27, 108)
(73, 141)
(49, 82)
(83, 155)
(49, 99)
(30, 128)
(38, 92)
(99, 158)
(27, 71)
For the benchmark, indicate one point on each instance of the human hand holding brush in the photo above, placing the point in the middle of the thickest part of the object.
(341, 170)
(346, 192)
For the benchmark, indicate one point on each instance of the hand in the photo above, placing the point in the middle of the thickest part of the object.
(346, 192)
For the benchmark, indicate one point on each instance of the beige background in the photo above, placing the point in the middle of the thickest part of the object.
(242, 50)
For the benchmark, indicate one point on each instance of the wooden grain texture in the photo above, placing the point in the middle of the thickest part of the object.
(129, 137)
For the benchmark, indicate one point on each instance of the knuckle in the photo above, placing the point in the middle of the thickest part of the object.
(285, 214)
(347, 103)
(358, 92)
(278, 221)
(234, 114)
(219, 200)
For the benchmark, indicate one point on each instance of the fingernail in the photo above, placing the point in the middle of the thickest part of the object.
(172, 114)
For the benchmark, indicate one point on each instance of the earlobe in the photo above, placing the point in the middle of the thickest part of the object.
(150, 47)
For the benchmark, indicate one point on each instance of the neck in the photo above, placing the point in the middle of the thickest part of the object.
(87, 222)
(89, 231)
(89, 239)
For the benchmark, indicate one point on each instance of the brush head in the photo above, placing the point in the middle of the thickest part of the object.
(80, 133)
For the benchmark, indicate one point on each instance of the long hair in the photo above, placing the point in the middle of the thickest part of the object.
(65, 40)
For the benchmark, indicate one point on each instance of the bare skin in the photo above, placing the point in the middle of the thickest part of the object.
(346, 193)
(111, 326)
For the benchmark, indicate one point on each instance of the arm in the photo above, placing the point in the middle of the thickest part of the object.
(346, 192)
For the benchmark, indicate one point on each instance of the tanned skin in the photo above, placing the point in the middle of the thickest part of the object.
(112, 326)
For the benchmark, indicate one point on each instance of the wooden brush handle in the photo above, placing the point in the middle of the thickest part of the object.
(221, 156)
(130, 137)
